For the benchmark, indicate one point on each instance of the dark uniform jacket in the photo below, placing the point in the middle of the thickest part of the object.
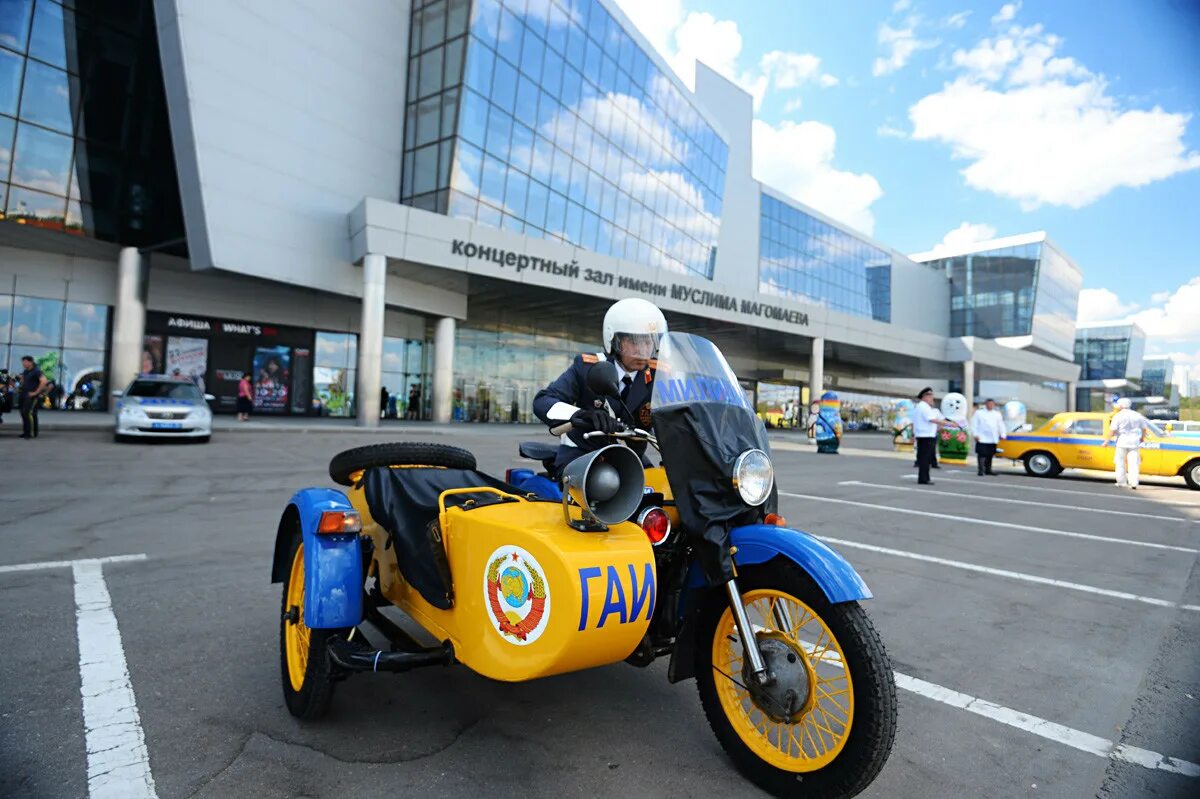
(557, 402)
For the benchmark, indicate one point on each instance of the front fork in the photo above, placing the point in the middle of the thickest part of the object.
(746, 630)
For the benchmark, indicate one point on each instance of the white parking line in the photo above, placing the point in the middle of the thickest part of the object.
(1076, 739)
(1145, 497)
(118, 764)
(993, 523)
(1029, 578)
(66, 564)
(1083, 508)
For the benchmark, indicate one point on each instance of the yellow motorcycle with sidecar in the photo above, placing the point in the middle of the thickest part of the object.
(529, 577)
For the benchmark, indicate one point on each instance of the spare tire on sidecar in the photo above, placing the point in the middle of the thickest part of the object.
(397, 453)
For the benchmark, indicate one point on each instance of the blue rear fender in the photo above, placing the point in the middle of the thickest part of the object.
(333, 564)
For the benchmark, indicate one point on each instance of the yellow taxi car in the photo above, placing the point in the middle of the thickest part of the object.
(1077, 441)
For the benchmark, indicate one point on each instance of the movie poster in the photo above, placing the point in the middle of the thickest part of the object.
(187, 358)
(272, 379)
(152, 355)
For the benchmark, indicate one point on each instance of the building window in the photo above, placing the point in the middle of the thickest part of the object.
(334, 373)
(614, 158)
(806, 259)
(85, 144)
(68, 341)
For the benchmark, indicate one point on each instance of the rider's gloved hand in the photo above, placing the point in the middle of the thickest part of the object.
(594, 419)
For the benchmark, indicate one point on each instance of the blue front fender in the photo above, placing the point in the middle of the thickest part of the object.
(333, 570)
(758, 543)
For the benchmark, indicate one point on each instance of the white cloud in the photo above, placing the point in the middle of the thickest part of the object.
(962, 236)
(890, 131)
(794, 157)
(798, 159)
(956, 21)
(900, 5)
(1006, 12)
(1042, 129)
(1175, 320)
(1160, 296)
(899, 44)
(1101, 305)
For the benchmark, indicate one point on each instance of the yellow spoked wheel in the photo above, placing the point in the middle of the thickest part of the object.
(824, 726)
(296, 634)
(307, 673)
(812, 735)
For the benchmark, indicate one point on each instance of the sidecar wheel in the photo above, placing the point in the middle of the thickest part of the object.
(840, 736)
(345, 464)
(308, 677)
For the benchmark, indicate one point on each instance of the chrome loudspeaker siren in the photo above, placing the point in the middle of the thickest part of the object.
(607, 484)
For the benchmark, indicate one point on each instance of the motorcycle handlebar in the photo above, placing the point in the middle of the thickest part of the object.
(565, 427)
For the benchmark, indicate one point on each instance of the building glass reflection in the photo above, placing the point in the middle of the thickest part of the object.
(808, 259)
(84, 135)
(546, 118)
(1023, 290)
(67, 340)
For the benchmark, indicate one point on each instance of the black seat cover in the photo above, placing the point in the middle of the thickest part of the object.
(537, 450)
(405, 501)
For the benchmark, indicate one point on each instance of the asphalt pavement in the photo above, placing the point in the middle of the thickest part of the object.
(1045, 635)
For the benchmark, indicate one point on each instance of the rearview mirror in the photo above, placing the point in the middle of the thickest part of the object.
(118, 393)
(209, 397)
(602, 380)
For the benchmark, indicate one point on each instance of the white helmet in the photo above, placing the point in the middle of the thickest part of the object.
(633, 317)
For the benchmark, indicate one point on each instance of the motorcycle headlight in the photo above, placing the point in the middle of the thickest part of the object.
(753, 476)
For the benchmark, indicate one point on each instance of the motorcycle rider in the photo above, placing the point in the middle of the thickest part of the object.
(632, 330)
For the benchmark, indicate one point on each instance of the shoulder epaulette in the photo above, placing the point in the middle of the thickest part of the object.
(590, 357)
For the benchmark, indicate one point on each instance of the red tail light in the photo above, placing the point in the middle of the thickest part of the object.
(655, 524)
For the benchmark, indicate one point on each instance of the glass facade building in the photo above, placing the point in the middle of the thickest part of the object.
(84, 140)
(804, 258)
(546, 118)
(1158, 372)
(1109, 352)
(1023, 290)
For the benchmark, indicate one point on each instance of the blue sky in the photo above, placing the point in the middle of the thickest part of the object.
(915, 119)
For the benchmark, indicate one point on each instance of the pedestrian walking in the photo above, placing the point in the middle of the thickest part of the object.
(245, 398)
(414, 403)
(1127, 430)
(987, 425)
(926, 421)
(33, 384)
(383, 402)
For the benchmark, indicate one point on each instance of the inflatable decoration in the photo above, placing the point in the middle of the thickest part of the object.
(1014, 415)
(826, 425)
(902, 431)
(953, 443)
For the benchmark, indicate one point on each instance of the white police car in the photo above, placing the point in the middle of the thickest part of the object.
(156, 406)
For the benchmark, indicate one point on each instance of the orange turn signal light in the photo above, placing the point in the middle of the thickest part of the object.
(775, 519)
(336, 522)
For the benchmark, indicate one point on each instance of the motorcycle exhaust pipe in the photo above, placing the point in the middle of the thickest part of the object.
(352, 656)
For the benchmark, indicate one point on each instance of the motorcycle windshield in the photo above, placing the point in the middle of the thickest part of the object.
(703, 422)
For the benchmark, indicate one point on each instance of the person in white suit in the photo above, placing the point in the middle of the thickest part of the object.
(1127, 430)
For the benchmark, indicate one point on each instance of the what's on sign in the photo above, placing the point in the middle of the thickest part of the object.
(626, 595)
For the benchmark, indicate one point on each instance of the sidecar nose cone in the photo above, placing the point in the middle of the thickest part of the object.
(603, 482)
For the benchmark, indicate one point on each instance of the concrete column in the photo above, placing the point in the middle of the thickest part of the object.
(816, 378)
(968, 389)
(1070, 397)
(370, 339)
(443, 369)
(129, 318)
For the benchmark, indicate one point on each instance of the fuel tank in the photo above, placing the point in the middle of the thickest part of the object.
(532, 596)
